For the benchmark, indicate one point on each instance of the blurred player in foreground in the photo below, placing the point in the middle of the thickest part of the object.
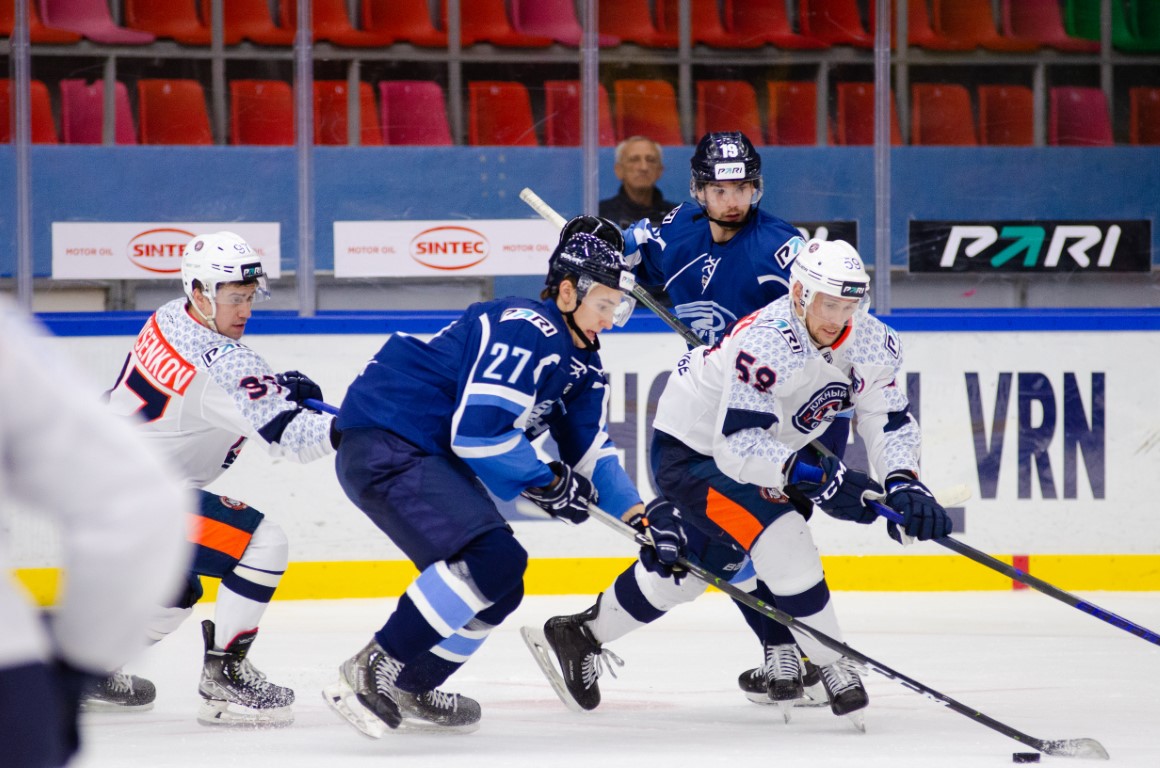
(121, 514)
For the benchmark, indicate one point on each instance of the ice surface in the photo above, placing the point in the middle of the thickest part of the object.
(1022, 658)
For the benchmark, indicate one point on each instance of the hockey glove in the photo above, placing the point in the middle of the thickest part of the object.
(567, 498)
(299, 387)
(661, 524)
(923, 517)
(838, 490)
(636, 235)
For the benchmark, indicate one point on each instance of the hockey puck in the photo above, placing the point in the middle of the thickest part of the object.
(1025, 757)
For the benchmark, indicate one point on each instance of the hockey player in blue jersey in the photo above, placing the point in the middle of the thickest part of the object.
(428, 428)
(717, 259)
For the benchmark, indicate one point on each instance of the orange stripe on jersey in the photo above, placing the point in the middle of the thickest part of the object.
(733, 518)
(220, 536)
(161, 361)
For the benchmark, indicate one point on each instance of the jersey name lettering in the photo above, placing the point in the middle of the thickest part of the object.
(161, 361)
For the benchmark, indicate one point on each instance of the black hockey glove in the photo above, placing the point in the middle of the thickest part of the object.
(923, 517)
(839, 491)
(568, 497)
(299, 386)
(661, 523)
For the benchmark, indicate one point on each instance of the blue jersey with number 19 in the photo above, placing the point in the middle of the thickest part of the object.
(487, 385)
(713, 284)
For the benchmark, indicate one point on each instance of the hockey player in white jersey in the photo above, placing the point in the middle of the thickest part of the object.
(201, 395)
(732, 433)
(119, 511)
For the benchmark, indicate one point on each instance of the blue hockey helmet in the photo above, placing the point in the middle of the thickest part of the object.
(588, 260)
(725, 156)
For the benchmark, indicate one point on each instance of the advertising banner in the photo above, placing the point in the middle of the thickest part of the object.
(1030, 246)
(120, 250)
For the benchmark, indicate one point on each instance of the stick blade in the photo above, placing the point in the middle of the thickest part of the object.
(1088, 749)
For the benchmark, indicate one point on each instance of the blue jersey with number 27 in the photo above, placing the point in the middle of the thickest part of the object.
(487, 385)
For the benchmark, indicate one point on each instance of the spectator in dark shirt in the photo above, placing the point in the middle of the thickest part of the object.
(639, 163)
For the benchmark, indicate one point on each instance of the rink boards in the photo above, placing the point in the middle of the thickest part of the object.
(1047, 418)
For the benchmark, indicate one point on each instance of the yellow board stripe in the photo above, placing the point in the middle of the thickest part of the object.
(589, 575)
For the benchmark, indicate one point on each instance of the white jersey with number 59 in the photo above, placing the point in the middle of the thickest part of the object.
(764, 392)
(202, 395)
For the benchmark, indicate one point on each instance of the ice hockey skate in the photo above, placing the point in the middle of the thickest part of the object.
(438, 711)
(571, 659)
(234, 692)
(754, 683)
(365, 694)
(119, 692)
(847, 694)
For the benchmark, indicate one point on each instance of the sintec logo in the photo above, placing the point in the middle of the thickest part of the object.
(159, 250)
(449, 247)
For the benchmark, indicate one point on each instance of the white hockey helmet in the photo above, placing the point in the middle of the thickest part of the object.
(221, 257)
(831, 267)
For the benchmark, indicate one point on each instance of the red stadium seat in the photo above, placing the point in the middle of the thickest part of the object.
(92, 19)
(175, 19)
(767, 21)
(632, 21)
(486, 21)
(647, 108)
(172, 112)
(249, 20)
(37, 32)
(838, 22)
(940, 114)
(1042, 21)
(562, 114)
(332, 114)
(792, 115)
(82, 109)
(261, 112)
(1078, 117)
(500, 114)
(42, 125)
(413, 112)
(407, 21)
(727, 105)
(706, 26)
(1006, 115)
(1144, 123)
(971, 23)
(331, 22)
(552, 18)
(854, 122)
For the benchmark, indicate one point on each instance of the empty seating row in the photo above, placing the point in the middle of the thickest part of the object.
(946, 25)
(261, 112)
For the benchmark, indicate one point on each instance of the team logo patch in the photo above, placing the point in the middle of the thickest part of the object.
(233, 504)
(211, 356)
(533, 317)
(820, 408)
(854, 290)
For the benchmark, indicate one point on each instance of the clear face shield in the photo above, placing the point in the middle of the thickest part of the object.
(614, 305)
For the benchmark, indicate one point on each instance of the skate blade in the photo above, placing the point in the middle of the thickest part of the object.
(538, 644)
(219, 713)
(341, 698)
(418, 725)
(815, 697)
(786, 708)
(858, 720)
(93, 705)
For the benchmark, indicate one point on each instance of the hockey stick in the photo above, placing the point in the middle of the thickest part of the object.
(320, 406)
(1088, 748)
(1035, 583)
